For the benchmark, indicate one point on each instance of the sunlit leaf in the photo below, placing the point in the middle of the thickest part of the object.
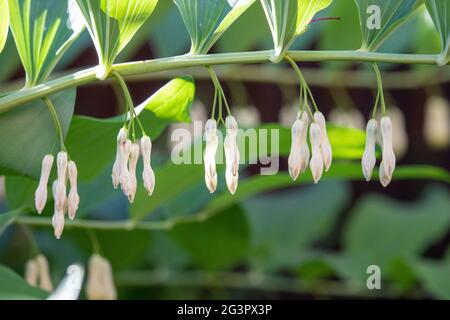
(173, 101)
(112, 24)
(439, 11)
(14, 287)
(4, 23)
(289, 19)
(380, 18)
(43, 31)
(27, 133)
(207, 20)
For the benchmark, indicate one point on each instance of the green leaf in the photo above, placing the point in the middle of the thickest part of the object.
(173, 101)
(433, 276)
(278, 240)
(20, 191)
(13, 287)
(390, 13)
(207, 20)
(7, 218)
(112, 24)
(289, 19)
(386, 229)
(439, 11)
(218, 243)
(4, 23)
(42, 31)
(27, 134)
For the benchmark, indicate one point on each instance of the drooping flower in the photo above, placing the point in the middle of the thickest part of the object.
(147, 174)
(232, 154)
(134, 157)
(69, 288)
(40, 197)
(436, 124)
(209, 157)
(387, 166)
(125, 180)
(325, 146)
(368, 160)
(60, 196)
(58, 222)
(73, 200)
(304, 148)
(295, 160)
(45, 282)
(32, 272)
(117, 167)
(100, 282)
(316, 163)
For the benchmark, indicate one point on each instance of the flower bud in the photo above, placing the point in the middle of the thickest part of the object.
(316, 163)
(134, 157)
(73, 201)
(45, 282)
(325, 145)
(58, 222)
(40, 196)
(294, 160)
(148, 176)
(125, 180)
(117, 167)
(60, 196)
(209, 157)
(32, 272)
(388, 156)
(100, 282)
(304, 148)
(368, 160)
(232, 155)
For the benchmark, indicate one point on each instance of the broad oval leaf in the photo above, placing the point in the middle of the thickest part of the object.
(4, 23)
(207, 20)
(288, 19)
(42, 30)
(27, 133)
(112, 24)
(439, 11)
(13, 287)
(380, 18)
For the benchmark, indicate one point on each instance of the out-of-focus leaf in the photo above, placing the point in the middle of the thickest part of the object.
(20, 191)
(27, 134)
(43, 31)
(433, 276)
(4, 23)
(386, 228)
(112, 24)
(7, 218)
(284, 225)
(219, 242)
(288, 19)
(173, 101)
(207, 20)
(9, 60)
(440, 13)
(389, 13)
(13, 287)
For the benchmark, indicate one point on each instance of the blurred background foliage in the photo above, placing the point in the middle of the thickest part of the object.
(274, 239)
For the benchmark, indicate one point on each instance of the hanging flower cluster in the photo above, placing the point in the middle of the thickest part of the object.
(128, 151)
(66, 173)
(231, 150)
(37, 273)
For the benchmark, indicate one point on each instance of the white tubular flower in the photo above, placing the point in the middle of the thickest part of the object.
(60, 196)
(125, 180)
(295, 160)
(436, 124)
(387, 166)
(73, 200)
(32, 272)
(100, 282)
(134, 157)
(58, 223)
(70, 286)
(304, 148)
(368, 160)
(148, 176)
(232, 155)
(45, 282)
(325, 145)
(316, 163)
(209, 156)
(40, 196)
(117, 167)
